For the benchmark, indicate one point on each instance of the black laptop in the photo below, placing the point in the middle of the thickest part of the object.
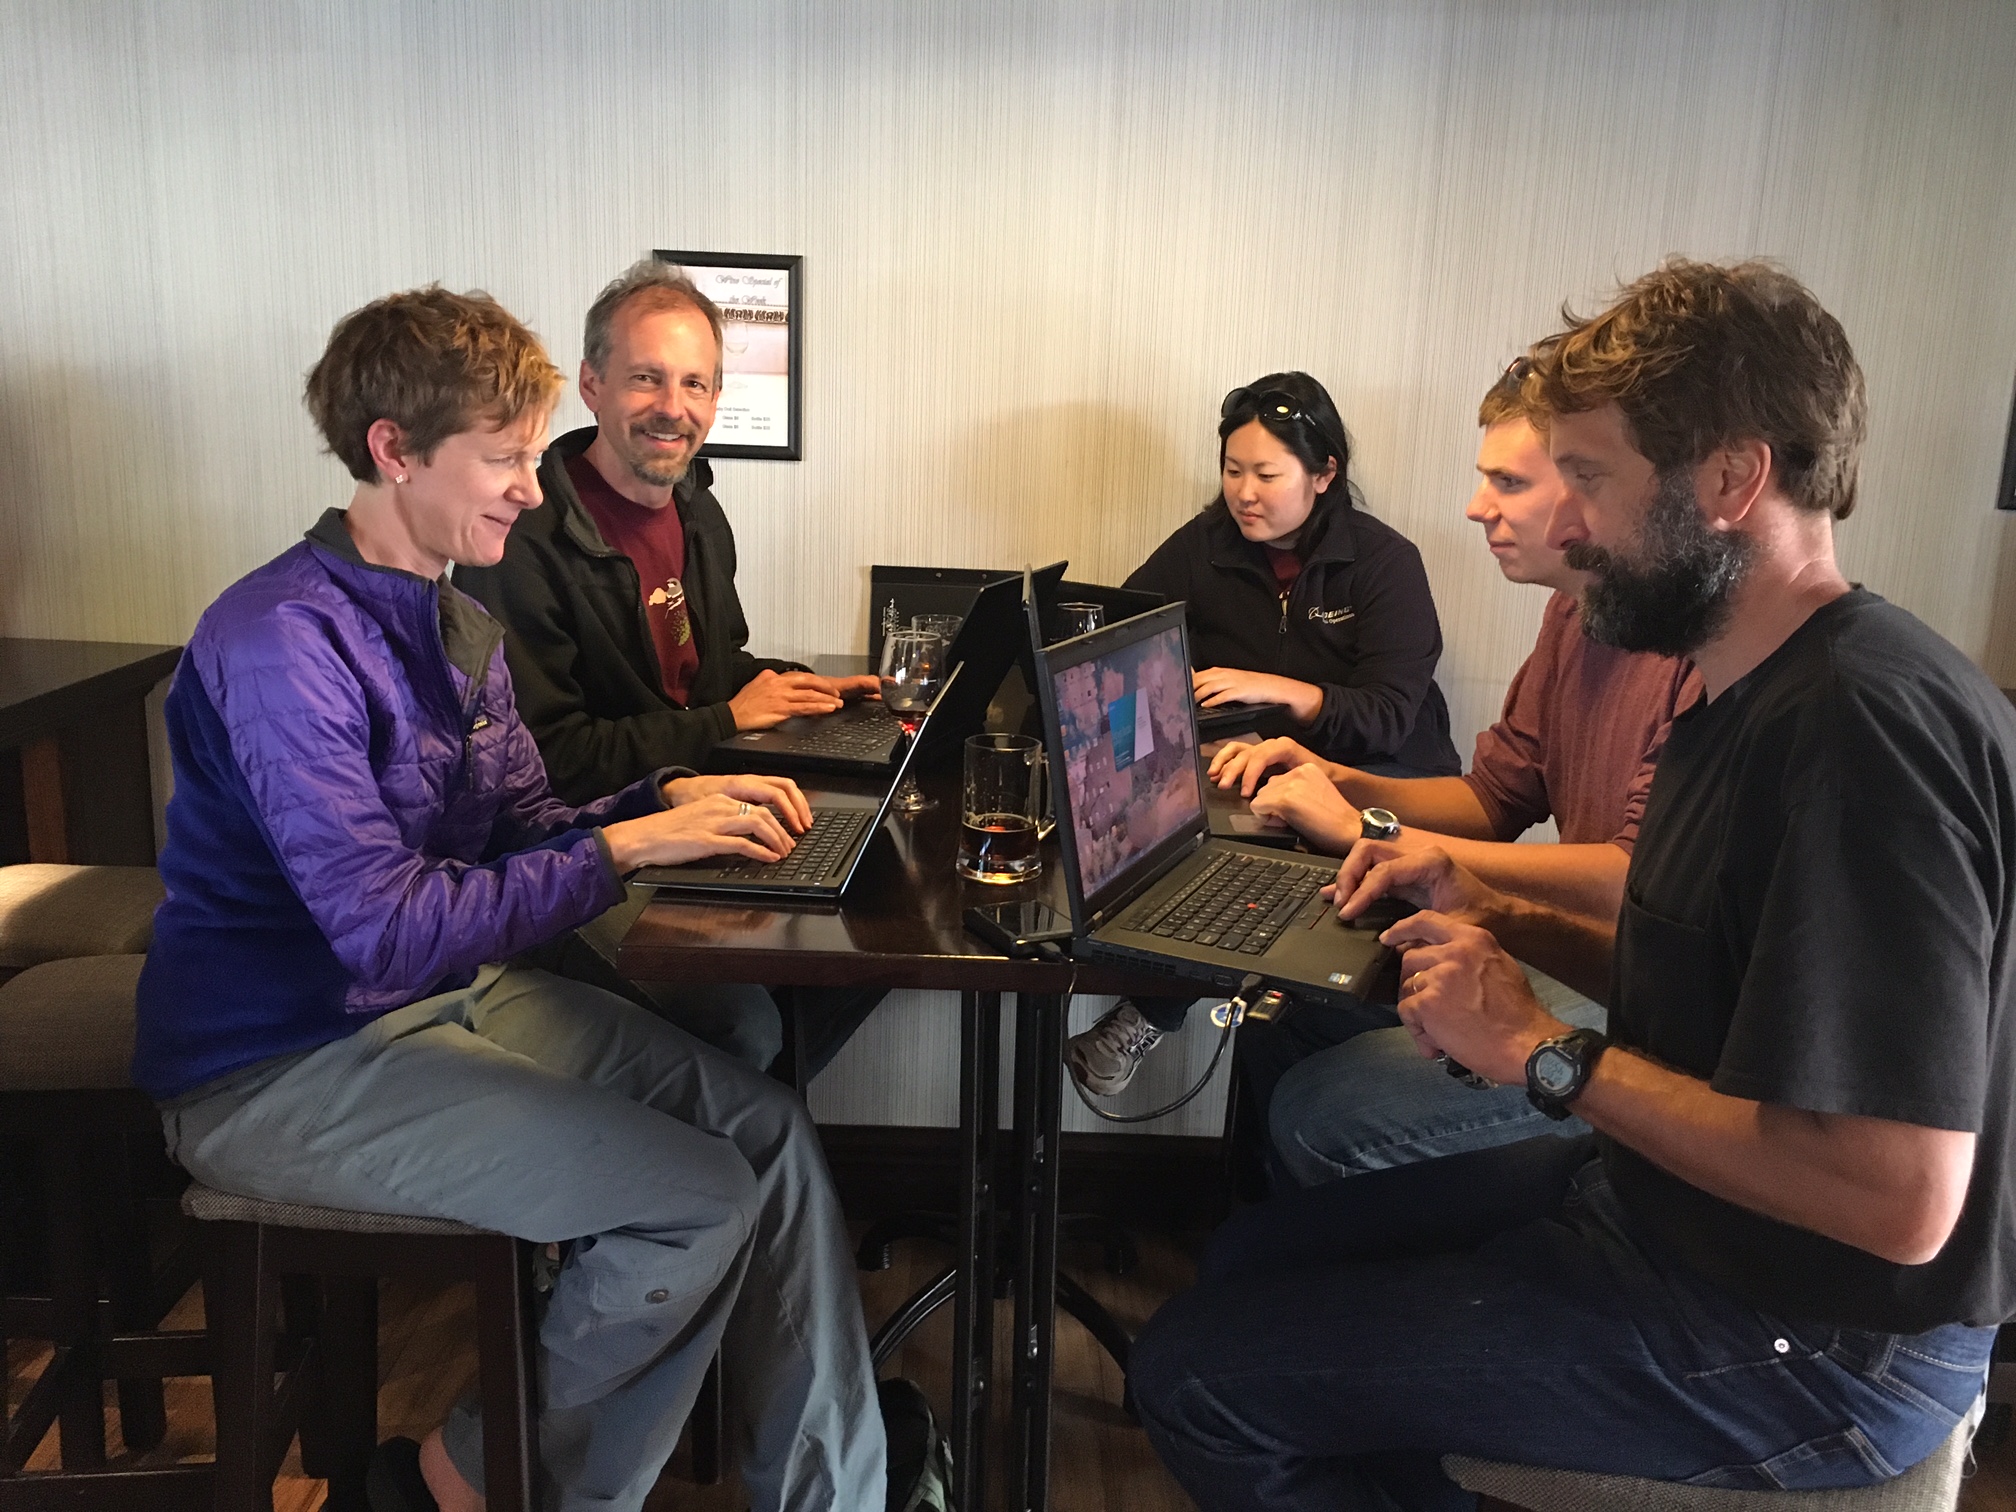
(864, 737)
(1148, 883)
(824, 861)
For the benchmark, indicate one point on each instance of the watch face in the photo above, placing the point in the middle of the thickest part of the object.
(1554, 1070)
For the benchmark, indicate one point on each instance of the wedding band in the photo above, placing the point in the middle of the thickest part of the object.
(1408, 985)
(741, 811)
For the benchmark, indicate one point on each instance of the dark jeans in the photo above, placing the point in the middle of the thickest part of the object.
(1340, 1340)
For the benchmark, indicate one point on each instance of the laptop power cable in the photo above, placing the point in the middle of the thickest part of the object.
(1251, 1001)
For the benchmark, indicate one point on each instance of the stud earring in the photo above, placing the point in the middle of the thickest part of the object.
(400, 479)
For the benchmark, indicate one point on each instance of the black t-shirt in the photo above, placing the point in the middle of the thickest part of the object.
(1818, 915)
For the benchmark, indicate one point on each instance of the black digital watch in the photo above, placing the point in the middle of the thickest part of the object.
(1558, 1069)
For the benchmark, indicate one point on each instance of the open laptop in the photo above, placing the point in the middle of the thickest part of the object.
(824, 861)
(864, 737)
(1148, 883)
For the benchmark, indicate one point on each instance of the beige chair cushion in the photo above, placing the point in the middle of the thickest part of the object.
(209, 1205)
(67, 1026)
(49, 912)
(1930, 1486)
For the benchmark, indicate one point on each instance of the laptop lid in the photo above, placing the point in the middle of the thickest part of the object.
(1119, 603)
(692, 876)
(987, 645)
(898, 594)
(1122, 734)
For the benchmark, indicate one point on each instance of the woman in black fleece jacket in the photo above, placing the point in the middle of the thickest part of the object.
(1298, 598)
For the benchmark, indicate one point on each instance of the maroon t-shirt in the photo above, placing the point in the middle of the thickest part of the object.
(655, 541)
(1580, 734)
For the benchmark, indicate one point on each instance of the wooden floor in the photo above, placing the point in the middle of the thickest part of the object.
(1103, 1463)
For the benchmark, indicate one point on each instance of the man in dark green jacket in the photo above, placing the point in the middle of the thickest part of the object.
(625, 636)
(623, 630)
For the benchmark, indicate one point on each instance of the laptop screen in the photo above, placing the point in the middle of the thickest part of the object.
(1129, 749)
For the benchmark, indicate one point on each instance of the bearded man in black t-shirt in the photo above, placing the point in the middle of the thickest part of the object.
(1780, 1261)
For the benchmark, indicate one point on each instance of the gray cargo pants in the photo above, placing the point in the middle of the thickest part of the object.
(694, 1189)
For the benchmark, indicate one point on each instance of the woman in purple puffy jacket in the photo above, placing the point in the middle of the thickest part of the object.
(361, 832)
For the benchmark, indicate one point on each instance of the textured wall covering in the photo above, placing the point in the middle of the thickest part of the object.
(1040, 241)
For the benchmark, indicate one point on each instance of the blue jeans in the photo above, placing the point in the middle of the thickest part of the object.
(1373, 1102)
(1339, 1341)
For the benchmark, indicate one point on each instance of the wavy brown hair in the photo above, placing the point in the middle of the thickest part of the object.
(1699, 356)
(431, 362)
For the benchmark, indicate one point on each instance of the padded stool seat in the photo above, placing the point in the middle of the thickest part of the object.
(48, 912)
(67, 1025)
(208, 1205)
(1932, 1485)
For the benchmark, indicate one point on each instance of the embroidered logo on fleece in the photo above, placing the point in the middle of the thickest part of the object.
(1329, 616)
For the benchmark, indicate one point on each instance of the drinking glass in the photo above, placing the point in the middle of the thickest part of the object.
(1079, 619)
(913, 665)
(1004, 808)
(944, 626)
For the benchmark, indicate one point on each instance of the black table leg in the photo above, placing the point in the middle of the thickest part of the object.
(1039, 1067)
(973, 1303)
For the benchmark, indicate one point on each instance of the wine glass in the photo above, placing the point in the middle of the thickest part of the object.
(913, 665)
(1074, 620)
(945, 626)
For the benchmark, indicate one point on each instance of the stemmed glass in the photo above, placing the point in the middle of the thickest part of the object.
(913, 665)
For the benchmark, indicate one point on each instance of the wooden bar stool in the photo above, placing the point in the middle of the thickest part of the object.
(1933, 1485)
(66, 1038)
(324, 1264)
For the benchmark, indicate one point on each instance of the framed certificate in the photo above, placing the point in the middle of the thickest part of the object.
(760, 357)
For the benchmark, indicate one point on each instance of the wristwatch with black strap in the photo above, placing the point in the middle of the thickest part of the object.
(1559, 1068)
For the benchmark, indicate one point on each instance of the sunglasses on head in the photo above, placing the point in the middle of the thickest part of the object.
(1277, 404)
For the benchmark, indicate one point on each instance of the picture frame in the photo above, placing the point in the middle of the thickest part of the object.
(760, 295)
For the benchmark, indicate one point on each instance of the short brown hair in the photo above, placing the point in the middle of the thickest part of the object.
(654, 284)
(1699, 356)
(431, 362)
(1506, 399)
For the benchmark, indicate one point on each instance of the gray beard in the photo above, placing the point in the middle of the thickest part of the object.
(660, 474)
(1673, 592)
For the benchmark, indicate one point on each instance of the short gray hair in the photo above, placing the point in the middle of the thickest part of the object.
(664, 286)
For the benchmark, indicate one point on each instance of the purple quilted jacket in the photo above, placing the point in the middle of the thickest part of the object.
(359, 821)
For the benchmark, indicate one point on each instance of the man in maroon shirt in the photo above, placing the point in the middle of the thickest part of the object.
(623, 629)
(1578, 739)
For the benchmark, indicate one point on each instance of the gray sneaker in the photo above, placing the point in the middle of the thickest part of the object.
(1104, 1058)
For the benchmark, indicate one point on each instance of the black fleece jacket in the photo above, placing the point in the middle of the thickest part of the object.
(1359, 623)
(582, 662)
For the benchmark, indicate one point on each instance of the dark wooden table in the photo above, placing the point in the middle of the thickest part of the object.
(74, 781)
(902, 926)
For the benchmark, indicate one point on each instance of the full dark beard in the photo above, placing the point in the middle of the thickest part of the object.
(1671, 593)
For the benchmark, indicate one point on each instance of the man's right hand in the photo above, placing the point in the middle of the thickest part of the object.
(1245, 764)
(717, 825)
(769, 698)
(1427, 878)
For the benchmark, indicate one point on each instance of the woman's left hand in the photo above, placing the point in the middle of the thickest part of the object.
(778, 794)
(1217, 686)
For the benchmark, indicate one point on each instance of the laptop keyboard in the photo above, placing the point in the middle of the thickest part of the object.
(865, 739)
(819, 853)
(1236, 902)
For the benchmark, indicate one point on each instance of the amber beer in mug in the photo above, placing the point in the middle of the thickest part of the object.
(1004, 809)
